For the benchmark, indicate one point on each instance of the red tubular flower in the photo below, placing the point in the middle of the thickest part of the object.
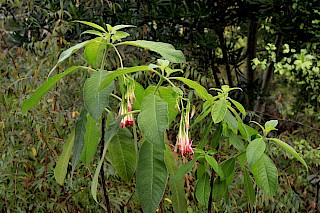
(127, 104)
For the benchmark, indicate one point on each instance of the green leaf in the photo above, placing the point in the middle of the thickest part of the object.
(289, 149)
(98, 27)
(44, 88)
(92, 32)
(202, 189)
(94, 100)
(139, 94)
(60, 170)
(111, 131)
(153, 119)
(183, 170)
(248, 188)
(219, 110)
(94, 51)
(228, 167)
(67, 53)
(118, 36)
(119, 27)
(270, 125)
(239, 106)
(231, 121)
(214, 164)
(220, 189)
(201, 91)
(167, 51)
(151, 176)
(169, 95)
(178, 198)
(122, 154)
(245, 132)
(265, 174)
(236, 141)
(80, 131)
(254, 150)
(217, 136)
(202, 115)
(91, 140)
(109, 78)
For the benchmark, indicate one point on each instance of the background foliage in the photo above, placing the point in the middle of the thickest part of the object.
(219, 39)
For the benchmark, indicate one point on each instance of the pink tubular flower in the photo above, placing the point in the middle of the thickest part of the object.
(183, 144)
(127, 103)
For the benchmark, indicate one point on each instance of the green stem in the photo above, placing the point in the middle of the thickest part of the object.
(121, 64)
(158, 85)
(115, 96)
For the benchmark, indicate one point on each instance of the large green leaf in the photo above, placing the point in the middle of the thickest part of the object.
(153, 119)
(94, 51)
(239, 106)
(236, 141)
(228, 168)
(109, 78)
(123, 154)
(112, 129)
(121, 26)
(178, 198)
(231, 121)
(289, 149)
(60, 170)
(248, 188)
(201, 91)
(214, 164)
(91, 140)
(44, 88)
(94, 100)
(80, 131)
(254, 150)
(67, 53)
(139, 94)
(202, 190)
(183, 170)
(220, 189)
(167, 51)
(170, 96)
(265, 174)
(151, 176)
(217, 136)
(219, 110)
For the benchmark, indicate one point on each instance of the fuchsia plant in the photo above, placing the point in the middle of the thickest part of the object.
(142, 151)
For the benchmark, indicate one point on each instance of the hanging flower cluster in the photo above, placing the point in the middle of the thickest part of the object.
(183, 144)
(127, 103)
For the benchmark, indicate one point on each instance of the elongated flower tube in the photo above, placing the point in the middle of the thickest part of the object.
(127, 103)
(183, 144)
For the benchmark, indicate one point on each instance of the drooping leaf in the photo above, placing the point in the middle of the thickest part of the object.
(98, 27)
(151, 176)
(122, 154)
(220, 189)
(201, 91)
(217, 136)
(228, 168)
(67, 53)
(91, 140)
(167, 51)
(254, 150)
(80, 131)
(202, 189)
(44, 88)
(289, 149)
(219, 110)
(214, 164)
(168, 94)
(183, 170)
(236, 141)
(153, 119)
(112, 129)
(239, 106)
(231, 121)
(60, 170)
(94, 100)
(179, 201)
(248, 188)
(265, 174)
(94, 51)
(109, 78)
